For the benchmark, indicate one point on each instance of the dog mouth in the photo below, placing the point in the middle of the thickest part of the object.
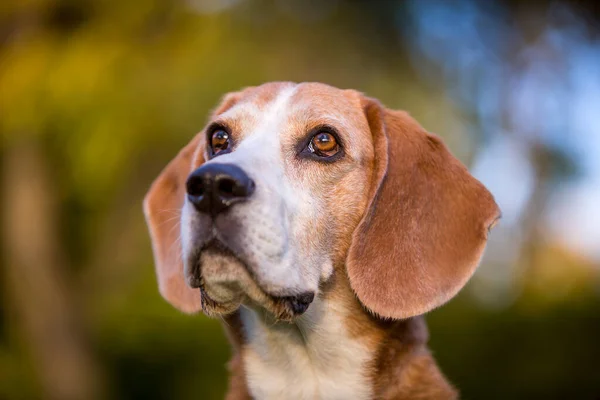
(216, 259)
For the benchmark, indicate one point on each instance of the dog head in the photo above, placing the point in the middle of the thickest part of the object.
(289, 184)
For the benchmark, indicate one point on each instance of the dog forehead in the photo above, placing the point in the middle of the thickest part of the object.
(306, 95)
(301, 105)
(324, 98)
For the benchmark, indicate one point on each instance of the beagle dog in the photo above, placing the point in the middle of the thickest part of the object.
(320, 226)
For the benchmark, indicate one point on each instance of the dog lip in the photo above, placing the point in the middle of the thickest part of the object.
(217, 246)
(195, 279)
(299, 303)
(296, 304)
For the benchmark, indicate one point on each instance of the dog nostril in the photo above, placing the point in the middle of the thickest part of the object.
(226, 187)
(195, 187)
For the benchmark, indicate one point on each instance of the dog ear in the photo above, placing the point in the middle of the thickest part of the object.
(162, 208)
(426, 224)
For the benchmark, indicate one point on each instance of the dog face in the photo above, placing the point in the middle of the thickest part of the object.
(289, 183)
(280, 241)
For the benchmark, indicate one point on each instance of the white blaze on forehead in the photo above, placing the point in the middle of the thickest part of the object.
(262, 142)
(269, 222)
(269, 113)
(278, 109)
(259, 152)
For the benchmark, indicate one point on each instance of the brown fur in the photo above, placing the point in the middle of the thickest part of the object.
(416, 239)
(403, 367)
(161, 207)
(238, 389)
(428, 213)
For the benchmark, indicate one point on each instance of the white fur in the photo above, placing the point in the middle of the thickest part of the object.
(273, 223)
(313, 358)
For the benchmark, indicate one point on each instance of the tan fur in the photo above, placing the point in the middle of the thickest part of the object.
(427, 211)
(401, 221)
(238, 388)
(161, 207)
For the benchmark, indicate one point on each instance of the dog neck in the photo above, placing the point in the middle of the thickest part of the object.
(336, 350)
(314, 357)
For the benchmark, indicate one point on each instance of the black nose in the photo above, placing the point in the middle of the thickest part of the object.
(299, 303)
(212, 188)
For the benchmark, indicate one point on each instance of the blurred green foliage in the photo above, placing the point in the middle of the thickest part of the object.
(109, 91)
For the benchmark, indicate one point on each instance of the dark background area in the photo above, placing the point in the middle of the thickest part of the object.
(97, 96)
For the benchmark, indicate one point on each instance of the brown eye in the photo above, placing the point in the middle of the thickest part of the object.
(323, 144)
(219, 141)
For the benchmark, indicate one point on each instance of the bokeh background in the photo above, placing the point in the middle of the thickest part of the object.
(97, 96)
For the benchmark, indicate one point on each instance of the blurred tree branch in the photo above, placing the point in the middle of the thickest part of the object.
(38, 291)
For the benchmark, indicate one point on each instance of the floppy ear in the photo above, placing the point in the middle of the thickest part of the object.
(162, 206)
(426, 225)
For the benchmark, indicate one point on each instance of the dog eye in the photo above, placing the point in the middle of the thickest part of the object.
(323, 144)
(219, 141)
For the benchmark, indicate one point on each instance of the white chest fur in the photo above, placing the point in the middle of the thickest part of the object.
(312, 359)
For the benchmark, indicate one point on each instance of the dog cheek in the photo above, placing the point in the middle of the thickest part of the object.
(256, 233)
(314, 244)
(195, 231)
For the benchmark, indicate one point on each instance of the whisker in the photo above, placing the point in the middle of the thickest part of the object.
(170, 210)
(302, 333)
(224, 321)
(175, 226)
(177, 242)
(171, 219)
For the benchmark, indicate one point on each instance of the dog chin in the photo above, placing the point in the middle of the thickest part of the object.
(226, 283)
